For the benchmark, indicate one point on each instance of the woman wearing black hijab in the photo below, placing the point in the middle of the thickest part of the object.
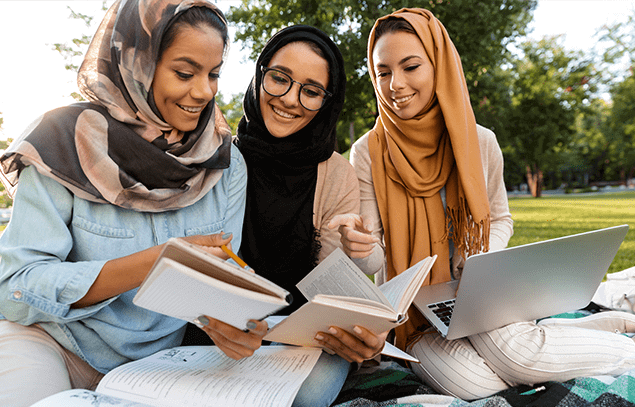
(297, 183)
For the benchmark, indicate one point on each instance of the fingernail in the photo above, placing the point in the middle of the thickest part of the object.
(329, 351)
(319, 337)
(203, 320)
(226, 235)
(333, 330)
(357, 330)
(251, 325)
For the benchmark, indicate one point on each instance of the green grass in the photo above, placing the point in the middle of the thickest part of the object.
(554, 216)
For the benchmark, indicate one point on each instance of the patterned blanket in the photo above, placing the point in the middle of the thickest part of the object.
(390, 384)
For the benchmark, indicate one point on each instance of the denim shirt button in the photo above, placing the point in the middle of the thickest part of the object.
(17, 295)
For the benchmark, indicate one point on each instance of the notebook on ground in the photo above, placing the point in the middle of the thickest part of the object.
(521, 283)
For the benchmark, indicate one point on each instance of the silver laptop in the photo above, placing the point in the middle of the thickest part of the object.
(521, 283)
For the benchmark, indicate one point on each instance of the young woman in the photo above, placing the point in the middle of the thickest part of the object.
(297, 183)
(102, 185)
(431, 182)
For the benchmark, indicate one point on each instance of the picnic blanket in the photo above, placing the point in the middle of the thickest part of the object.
(390, 384)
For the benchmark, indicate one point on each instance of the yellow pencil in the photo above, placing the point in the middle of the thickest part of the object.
(237, 259)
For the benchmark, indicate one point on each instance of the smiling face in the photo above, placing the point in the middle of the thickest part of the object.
(284, 115)
(186, 77)
(404, 73)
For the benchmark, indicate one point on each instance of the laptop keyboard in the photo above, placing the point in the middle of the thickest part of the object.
(443, 310)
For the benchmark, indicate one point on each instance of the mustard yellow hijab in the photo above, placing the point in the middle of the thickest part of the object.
(412, 160)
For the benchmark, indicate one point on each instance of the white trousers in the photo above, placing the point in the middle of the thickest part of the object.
(33, 366)
(555, 349)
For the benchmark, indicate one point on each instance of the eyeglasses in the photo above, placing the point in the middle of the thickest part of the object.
(278, 83)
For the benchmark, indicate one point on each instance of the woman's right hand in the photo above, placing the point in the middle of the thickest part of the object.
(357, 239)
(232, 341)
(212, 243)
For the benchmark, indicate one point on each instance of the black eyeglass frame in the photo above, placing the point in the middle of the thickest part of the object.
(265, 69)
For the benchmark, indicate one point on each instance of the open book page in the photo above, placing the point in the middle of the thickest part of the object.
(194, 257)
(402, 289)
(357, 305)
(85, 398)
(204, 376)
(338, 275)
(395, 352)
(178, 291)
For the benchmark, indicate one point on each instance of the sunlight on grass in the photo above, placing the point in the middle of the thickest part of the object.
(554, 216)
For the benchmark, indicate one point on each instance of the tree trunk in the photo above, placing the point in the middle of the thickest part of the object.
(534, 181)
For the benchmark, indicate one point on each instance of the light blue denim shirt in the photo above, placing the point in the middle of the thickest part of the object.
(56, 244)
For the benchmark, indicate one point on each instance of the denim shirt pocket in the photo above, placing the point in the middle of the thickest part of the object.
(102, 230)
(94, 240)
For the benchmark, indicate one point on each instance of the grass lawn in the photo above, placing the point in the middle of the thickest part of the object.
(554, 216)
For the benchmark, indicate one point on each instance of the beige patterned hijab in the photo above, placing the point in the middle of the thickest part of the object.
(413, 160)
(117, 148)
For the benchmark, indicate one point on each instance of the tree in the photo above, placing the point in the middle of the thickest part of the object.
(232, 110)
(480, 30)
(619, 70)
(622, 124)
(74, 51)
(617, 57)
(5, 200)
(549, 87)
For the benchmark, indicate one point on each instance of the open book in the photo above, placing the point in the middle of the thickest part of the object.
(199, 376)
(187, 282)
(341, 295)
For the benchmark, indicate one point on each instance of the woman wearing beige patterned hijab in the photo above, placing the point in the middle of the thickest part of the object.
(102, 185)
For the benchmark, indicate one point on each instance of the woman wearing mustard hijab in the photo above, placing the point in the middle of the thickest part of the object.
(431, 182)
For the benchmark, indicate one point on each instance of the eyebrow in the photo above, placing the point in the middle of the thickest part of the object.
(194, 63)
(403, 61)
(290, 72)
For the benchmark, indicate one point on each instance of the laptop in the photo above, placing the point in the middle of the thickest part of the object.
(521, 283)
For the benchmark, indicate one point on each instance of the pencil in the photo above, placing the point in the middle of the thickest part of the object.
(237, 259)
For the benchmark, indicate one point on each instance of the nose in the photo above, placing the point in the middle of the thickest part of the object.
(396, 81)
(292, 97)
(204, 89)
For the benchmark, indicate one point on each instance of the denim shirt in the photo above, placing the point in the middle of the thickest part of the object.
(57, 243)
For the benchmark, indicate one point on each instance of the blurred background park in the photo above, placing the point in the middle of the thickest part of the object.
(564, 114)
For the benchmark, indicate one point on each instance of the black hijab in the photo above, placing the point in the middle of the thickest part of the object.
(279, 239)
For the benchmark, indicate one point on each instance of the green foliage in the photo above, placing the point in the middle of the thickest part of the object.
(73, 53)
(622, 126)
(5, 200)
(480, 30)
(616, 74)
(549, 87)
(619, 40)
(555, 216)
(232, 110)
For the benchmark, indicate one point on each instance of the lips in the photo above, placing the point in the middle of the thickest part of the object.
(402, 99)
(191, 109)
(283, 113)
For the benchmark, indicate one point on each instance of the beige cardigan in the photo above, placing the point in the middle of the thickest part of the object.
(336, 192)
(501, 228)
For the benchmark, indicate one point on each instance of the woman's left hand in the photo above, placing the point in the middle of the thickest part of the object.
(356, 346)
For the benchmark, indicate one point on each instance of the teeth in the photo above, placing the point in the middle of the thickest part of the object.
(191, 109)
(283, 114)
(403, 99)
